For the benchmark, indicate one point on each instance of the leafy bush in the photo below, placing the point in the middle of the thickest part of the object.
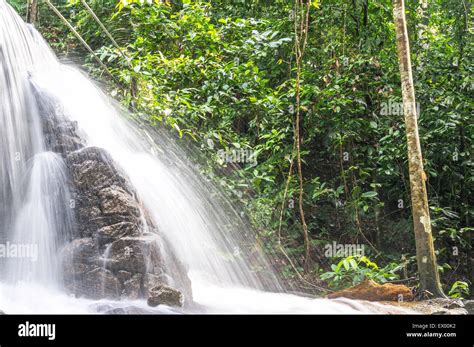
(459, 289)
(354, 269)
(223, 72)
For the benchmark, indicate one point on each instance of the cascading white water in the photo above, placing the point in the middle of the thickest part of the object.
(206, 233)
(42, 223)
(32, 181)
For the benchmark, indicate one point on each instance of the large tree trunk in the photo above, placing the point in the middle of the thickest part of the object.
(32, 14)
(426, 259)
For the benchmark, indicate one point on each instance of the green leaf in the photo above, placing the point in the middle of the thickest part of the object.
(346, 264)
(370, 194)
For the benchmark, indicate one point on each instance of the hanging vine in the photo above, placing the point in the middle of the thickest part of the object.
(301, 27)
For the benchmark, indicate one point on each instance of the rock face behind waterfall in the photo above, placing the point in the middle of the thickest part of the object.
(116, 251)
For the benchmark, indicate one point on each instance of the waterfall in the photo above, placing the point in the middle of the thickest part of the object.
(42, 223)
(32, 180)
(185, 222)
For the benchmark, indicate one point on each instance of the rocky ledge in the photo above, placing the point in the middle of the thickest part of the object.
(438, 306)
(400, 296)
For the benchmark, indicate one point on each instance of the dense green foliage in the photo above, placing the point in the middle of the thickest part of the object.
(222, 73)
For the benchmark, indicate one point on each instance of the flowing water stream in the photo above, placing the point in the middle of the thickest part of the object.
(200, 224)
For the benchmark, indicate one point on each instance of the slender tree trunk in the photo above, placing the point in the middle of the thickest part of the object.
(355, 15)
(426, 259)
(366, 13)
(32, 14)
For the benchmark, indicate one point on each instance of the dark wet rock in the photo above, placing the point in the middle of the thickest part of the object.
(109, 213)
(60, 134)
(115, 200)
(165, 295)
(123, 276)
(153, 280)
(107, 207)
(94, 169)
(74, 273)
(102, 283)
(83, 251)
(66, 138)
(115, 231)
(127, 255)
(132, 288)
(79, 257)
